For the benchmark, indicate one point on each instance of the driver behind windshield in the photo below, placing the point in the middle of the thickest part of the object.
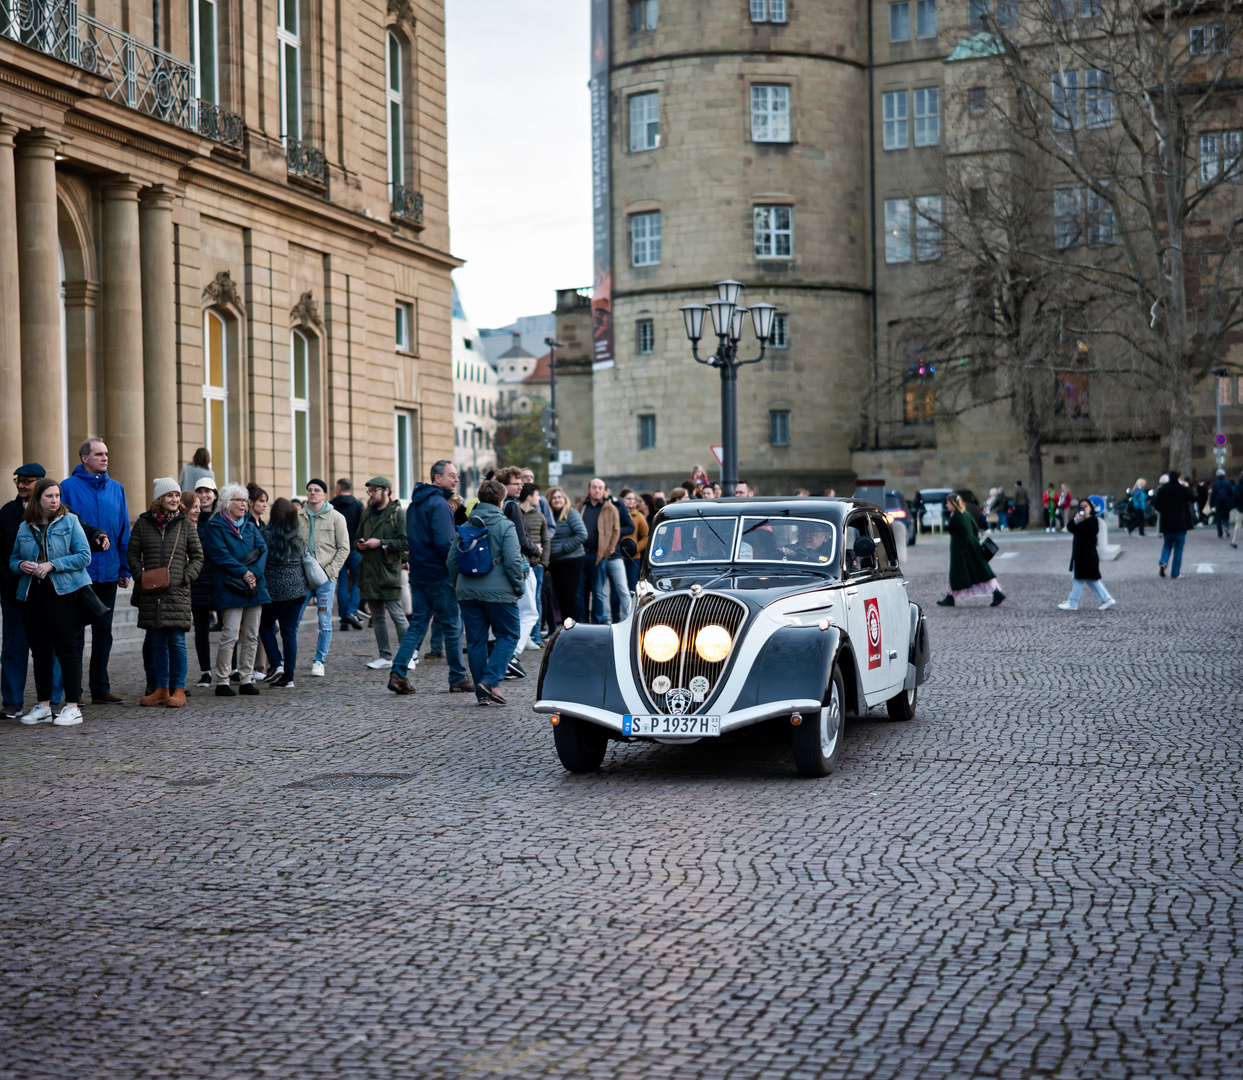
(814, 543)
(708, 545)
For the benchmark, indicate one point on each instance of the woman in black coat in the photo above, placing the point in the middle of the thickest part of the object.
(1085, 562)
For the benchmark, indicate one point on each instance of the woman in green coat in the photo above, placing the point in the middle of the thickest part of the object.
(970, 574)
(163, 538)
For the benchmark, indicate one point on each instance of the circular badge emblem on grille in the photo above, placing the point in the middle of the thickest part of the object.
(661, 684)
(699, 687)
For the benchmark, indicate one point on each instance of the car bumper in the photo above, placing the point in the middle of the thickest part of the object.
(729, 722)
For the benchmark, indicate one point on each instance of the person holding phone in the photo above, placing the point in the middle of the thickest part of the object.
(1085, 563)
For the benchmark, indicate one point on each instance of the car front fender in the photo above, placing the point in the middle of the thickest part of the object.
(796, 662)
(578, 666)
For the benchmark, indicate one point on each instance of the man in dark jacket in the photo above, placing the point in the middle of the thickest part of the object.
(1221, 498)
(430, 532)
(1174, 502)
(348, 598)
(99, 500)
(1238, 513)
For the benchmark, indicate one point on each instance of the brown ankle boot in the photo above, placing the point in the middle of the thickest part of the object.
(176, 700)
(159, 697)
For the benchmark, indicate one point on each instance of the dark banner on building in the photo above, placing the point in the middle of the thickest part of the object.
(602, 219)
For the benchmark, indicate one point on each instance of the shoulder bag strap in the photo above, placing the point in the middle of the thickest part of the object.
(176, 541)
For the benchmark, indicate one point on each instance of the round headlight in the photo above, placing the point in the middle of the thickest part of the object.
(713, 643)
(661, 643)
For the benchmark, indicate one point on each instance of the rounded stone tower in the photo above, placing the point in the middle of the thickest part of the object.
(738, 150)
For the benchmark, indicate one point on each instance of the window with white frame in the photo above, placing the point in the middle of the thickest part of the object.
(404, 446)
(216, 390)
(300, 404)
(1098, 98)
(927, 228)
(1199, 40)
(894, 122)
(1220, 156)
(643, 15)
(900, 21)
(779, 427)
(395, 100)
(289, 42)
(927, 116)
(1067, 215)
(768, 11)
(897, 230)
(780, 336)
(644, 121)
(770, 114)
(645, 239)
(205, 50)
(647, 431)
(926, 18)
(404, 336)
(645, 336)
(1064, 90)
(1101, 226)
(774, 232)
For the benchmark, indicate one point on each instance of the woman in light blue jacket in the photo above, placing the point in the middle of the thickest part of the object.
(51, 554)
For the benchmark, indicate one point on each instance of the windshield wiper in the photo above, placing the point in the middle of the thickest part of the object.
(761, 522)
(712, 531)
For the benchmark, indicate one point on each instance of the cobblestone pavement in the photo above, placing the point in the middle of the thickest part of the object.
(1037, 877)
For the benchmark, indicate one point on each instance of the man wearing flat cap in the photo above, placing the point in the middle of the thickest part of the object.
(383, 544)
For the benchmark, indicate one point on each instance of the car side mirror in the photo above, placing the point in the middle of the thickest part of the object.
(865, 552)
(628, 547)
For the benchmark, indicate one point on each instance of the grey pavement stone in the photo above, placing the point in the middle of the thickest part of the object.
(1039, 876)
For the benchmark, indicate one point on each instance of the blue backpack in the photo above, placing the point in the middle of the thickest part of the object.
(474, 553)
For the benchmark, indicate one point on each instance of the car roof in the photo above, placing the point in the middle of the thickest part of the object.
(832, 510)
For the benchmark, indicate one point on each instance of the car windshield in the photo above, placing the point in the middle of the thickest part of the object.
(787, 540)
(688, 540)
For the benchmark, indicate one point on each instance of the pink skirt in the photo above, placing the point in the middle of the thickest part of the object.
(982, 588)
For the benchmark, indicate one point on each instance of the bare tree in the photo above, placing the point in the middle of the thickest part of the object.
(1132, 111)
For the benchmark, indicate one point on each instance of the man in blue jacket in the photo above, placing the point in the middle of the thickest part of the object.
(431, 532)
(99, 500)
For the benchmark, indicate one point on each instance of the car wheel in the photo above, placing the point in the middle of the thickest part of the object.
(902, 705)
(818, 744)
(580, 745)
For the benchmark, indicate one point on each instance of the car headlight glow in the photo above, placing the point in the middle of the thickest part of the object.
(661, 643)
(713, 643)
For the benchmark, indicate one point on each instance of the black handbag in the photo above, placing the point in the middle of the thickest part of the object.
(989, 547)
(238, 584)
(90, 606)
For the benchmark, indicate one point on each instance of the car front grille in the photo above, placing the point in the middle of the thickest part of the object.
(687, 615)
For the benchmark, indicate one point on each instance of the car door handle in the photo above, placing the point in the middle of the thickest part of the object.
(851, 592)
(893, 654)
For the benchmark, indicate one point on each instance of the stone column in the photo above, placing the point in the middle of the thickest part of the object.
(80, 306)
(10, 303)
(38, 256)
(159, 341)
(121, 341)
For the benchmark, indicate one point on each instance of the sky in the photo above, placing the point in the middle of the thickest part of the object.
(519, 153)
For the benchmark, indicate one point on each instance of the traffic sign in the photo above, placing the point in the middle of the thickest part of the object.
(1220, 439)
(565, 457)
(554, 470)
(718, 452)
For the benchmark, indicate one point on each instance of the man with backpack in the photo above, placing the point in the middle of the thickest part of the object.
(431, 532)
(488, 573)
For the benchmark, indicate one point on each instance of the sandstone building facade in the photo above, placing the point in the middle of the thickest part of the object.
(799, 148)
(225, 225)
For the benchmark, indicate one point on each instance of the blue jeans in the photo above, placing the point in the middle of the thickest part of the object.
(1076, 591)
(436, 598)
(477, 617)
(347, 586)
(15, 659)
(538, 571)
(289, 612)
(631, 567)
(323, 605)
(615, 570)
(169, 659)
(1173, 542)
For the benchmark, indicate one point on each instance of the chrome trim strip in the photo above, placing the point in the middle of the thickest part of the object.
(731, 722)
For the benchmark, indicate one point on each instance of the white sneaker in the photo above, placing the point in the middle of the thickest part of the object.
(1107, 604)
(317, 669)
(257, 676)
(533, 644)
(40, 714)
(414, 662)
(1066, 605)
(379, 662)
(69, 716)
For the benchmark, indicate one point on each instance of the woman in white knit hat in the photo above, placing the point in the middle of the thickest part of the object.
(165, 556)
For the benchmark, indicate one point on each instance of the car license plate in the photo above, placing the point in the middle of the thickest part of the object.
(691, 726)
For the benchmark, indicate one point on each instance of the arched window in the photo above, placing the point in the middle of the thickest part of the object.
(216, 392)
(300, 397)
(394, 92)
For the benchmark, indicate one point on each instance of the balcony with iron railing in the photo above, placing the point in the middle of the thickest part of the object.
(407, 205)
(304, 161)
(139, 75)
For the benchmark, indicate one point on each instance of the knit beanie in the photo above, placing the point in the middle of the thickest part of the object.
(165, 485)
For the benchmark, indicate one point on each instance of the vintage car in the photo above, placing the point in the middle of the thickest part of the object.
(747, 611)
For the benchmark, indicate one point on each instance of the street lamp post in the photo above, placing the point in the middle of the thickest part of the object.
(553, 345)
(475, 429)
(728, 320)
(1219, 452)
